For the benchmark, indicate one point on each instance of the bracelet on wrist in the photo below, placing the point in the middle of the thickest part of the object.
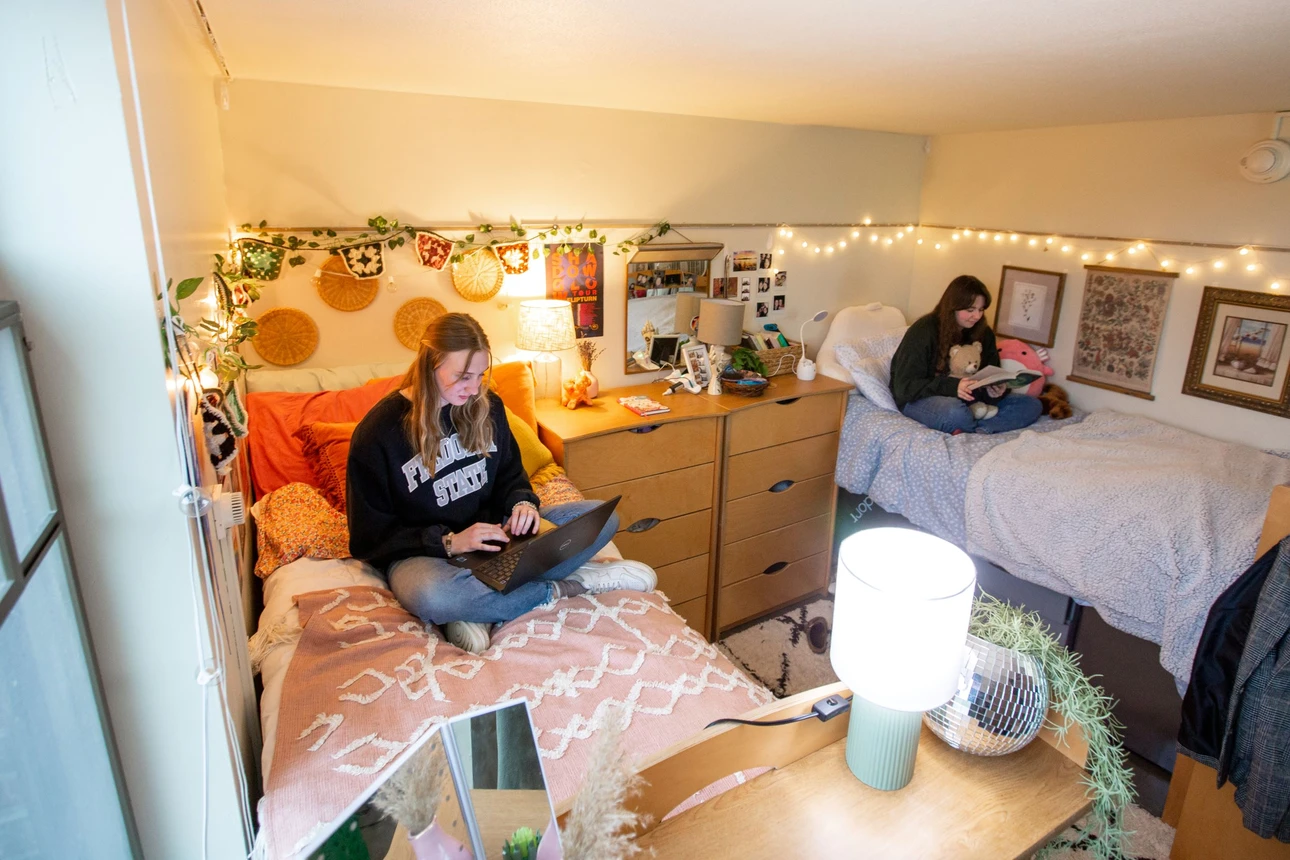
(447, 543)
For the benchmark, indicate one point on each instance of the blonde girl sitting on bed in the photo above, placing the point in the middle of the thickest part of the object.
(406, 518)
(920, 380)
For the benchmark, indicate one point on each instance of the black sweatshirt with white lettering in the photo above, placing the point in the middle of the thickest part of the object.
(398, 508)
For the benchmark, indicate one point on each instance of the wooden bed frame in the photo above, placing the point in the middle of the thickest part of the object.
(1207, 818)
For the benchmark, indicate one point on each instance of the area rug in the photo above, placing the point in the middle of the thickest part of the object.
(776, 651)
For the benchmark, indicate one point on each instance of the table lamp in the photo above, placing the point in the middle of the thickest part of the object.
(721, 324)
(900, 622)
(687, 311)
(806, 367)
(546, 326)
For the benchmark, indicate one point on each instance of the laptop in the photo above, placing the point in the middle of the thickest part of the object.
(463, 790)
(529, 556)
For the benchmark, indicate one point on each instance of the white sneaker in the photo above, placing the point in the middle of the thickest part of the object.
(615, 575)
(470, 636)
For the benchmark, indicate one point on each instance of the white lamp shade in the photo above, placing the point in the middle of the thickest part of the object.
(721, 321)
(900, 617)
(687, 308)
(546, 325)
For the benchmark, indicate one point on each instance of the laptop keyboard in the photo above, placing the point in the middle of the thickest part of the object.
(497, 572)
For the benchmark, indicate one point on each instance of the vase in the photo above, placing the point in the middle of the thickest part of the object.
(1000, 704)
(593, 388)
(435, 843)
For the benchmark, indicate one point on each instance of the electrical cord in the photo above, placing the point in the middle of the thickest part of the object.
(823, 710)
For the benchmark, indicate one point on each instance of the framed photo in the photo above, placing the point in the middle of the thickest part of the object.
(1240, 354)
(696, 360)
(1030, 301)
(1120, 323)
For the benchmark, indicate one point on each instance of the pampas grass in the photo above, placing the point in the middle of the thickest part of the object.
(599, 826)
(411, 795)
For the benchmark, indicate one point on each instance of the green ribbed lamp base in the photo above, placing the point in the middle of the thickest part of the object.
(882, 744)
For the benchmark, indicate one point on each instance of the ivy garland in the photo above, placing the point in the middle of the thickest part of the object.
(394, 235)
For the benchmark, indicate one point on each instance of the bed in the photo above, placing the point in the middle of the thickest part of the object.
(1146, 522)
(350, 678)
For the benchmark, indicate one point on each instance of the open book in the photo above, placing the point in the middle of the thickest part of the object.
(991, 375)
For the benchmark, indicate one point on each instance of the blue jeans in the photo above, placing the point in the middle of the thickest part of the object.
(439, 592)
(948, 414)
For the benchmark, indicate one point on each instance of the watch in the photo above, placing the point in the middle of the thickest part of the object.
(447, 543)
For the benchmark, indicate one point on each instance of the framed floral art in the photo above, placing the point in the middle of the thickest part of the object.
(1240, 354)
(1029, 303)
(1120, 323)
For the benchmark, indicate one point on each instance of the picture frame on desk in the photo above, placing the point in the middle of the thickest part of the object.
(697, 362)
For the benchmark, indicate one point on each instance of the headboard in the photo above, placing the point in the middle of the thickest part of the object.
(854, 323)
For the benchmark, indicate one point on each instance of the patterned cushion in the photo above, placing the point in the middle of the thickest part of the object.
(869, 362)
(297, 522)
(326, 446)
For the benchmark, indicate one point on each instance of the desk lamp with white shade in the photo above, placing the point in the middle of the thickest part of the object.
(721, 324)
(900, 622)
(806, 367)
(546, 326)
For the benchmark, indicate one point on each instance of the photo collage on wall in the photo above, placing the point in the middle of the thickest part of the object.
(755, 280)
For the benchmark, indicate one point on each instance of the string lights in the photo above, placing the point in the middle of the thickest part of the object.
(1138, 254)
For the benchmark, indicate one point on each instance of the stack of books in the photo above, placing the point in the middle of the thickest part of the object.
(642, 405)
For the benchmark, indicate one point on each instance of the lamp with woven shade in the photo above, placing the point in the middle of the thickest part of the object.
(721, 324)
(546, 326)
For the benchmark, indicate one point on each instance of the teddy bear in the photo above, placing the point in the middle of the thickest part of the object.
(577, 391)
(965, 360)
(1056, 402)
(1017, 355)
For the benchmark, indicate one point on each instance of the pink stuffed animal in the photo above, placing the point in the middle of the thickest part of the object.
(1016, 355)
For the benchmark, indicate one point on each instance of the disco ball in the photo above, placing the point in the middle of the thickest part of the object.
(1000, 704)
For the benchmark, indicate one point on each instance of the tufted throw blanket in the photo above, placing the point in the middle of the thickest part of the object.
(1146, 522)
(367, 679)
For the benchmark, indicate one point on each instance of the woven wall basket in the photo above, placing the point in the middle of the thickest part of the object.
(411, 319)
(286, 336)
(338, 288)
(478, 277)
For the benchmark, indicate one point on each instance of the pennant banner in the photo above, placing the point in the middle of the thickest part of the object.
(514, 257)
(433, 250)
(364, 261)
(260, 260)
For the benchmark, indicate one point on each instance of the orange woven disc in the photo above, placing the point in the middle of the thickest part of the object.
(411, 319)
(285, 336)
(344, 292)
(478, 277)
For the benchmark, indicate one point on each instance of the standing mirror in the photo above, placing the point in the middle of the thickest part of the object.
(657, 274)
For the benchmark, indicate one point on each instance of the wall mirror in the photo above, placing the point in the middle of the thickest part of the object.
(661, 278)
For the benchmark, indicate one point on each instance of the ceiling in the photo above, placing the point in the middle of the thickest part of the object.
(924, 67)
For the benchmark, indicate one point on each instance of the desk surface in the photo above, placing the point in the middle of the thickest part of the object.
(957, 805)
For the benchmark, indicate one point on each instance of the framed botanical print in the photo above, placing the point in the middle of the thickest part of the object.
(1240, 354)
(1120, 323)
(1029, 303)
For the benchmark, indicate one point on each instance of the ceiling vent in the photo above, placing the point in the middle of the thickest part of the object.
(1268, 160)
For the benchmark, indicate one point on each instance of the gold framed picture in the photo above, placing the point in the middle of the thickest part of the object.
(1030, 301)
(1239, 354)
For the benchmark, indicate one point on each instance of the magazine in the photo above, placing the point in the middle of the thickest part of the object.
(642, 405)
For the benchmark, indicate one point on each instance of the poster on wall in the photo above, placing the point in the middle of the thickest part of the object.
(1120, 324)
(575, 277)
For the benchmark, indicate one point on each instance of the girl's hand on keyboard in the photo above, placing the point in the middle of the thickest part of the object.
(524, 519)
(479, 536)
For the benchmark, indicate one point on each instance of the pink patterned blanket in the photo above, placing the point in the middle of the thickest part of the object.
(368, 679)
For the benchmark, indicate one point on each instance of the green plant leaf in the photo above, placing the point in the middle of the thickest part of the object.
(186, 287)
(470, 237)
(264, 224)
(297, 260)
(592, 234)
(331, 233)
(390, 244)
(317, 232)
(400, 240)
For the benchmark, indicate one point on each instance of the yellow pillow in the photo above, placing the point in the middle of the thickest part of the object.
(513, 382)
(533, 453)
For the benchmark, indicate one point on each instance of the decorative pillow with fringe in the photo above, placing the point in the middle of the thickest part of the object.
(553, 486)
(297, 522)
(326, 446)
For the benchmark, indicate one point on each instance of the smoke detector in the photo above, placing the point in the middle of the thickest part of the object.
(1268, 160)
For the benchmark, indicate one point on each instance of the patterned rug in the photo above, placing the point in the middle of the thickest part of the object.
(777, 652)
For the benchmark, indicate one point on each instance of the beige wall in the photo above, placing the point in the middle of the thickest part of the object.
(302, 156)
(75, 252)
(1174, 179)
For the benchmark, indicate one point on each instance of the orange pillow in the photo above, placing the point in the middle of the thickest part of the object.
(326, 445)
(275, 417)
(513, 382)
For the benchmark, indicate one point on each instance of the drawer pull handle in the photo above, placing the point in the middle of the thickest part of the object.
(789, 402)
(775, 568)
(643, 525)
(781, 486)
(649, 429)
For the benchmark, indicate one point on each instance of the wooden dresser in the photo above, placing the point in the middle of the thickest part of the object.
(730, 499)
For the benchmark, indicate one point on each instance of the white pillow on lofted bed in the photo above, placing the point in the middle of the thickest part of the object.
(853, 324)
(322, 378)
(868, 360)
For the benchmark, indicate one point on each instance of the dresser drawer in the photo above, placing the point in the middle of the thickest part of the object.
(751, 598)
(776, 423)
(627, 454)
(695, 613)
(684, 580)
(669, 541)
(760, 513)
(778, 548)
(757, 471)
(661, 497)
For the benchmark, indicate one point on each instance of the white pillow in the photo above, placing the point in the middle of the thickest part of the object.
(869, 362)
